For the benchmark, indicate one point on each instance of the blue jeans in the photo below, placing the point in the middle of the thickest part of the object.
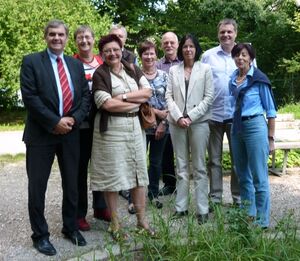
(156, 149)
(250, 153)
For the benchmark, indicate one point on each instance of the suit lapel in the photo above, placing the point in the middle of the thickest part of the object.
(49, 69)
(181, 80)
(193, 79)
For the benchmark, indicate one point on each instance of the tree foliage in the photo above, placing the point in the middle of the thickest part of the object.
(201, 17)
(272, 26)
(277, 42)
(21, 32)
(293, 64)
(142, 18)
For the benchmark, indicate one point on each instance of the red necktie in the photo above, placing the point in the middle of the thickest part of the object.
(66, 91)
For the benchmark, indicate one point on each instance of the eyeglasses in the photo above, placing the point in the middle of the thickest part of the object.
(109, 51)
(80, 38)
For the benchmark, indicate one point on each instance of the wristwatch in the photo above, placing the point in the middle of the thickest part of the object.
(124, 97)
(164, 122)
(271, 138)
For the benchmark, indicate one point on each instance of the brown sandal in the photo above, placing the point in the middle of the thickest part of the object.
(118, 234)
(150, 232)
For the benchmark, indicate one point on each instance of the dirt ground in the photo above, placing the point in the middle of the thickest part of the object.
(15, 241)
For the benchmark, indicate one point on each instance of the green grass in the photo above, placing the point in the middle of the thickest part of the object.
(229, 235)
(291, 108)
(12, 120)
(8, 158)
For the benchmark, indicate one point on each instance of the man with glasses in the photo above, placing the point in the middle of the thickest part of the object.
(169, 44)
(85, 39)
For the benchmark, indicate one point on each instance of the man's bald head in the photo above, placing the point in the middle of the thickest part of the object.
(169, 44)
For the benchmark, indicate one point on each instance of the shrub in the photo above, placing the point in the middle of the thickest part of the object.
(21, 32)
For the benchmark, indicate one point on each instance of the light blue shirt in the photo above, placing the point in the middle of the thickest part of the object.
(222, 66)
(53, 58)
(257, 99)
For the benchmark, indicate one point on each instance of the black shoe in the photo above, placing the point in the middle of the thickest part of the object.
(179, 214)
(202, 219)
(213, 206)
(166, 190)
(236, 204)
(75, 237)
(124, 194)
(156, 203)
(45, 247)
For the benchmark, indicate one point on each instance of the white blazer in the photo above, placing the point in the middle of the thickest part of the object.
(200, 93)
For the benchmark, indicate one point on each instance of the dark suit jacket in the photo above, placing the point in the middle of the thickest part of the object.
(128, 56)
(40, 97)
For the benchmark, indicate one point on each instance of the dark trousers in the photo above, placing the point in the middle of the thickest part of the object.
(214, 166)
(39, 160)
(156, 149)
(86, 140)
(168, 168)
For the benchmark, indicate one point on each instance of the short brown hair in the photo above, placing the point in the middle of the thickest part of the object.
(228, 21)
(108, 39)
(54, 24)
(146, 45)
(82, 29)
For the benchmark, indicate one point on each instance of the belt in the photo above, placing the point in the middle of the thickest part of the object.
(246, 118)
(123, 114)
(227, 121)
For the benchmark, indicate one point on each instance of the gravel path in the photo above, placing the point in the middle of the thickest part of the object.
(15, 241)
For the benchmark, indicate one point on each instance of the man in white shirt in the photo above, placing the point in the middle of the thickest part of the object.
(219, 58)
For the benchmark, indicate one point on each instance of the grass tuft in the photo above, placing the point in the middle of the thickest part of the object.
(291, 108)
(9, 158)
(229, 235)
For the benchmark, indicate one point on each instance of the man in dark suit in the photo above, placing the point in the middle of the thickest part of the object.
(52, 128)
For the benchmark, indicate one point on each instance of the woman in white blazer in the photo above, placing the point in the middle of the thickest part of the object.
(189, 97)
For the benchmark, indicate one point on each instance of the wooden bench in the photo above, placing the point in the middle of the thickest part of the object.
(287, 137)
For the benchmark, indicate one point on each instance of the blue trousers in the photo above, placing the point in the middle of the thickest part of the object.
(250, 150)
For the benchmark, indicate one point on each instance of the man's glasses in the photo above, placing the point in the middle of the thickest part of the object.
(86, 37)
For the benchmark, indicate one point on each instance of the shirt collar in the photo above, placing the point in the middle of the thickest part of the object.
(236, 72)
(222, 52)
(165, 60)
(54, 56)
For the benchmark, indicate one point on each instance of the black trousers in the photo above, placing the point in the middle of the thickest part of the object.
(86, 140)
(168, 168)
(39, 160)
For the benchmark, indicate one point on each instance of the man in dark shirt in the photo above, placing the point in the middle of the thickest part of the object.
(169, 44)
